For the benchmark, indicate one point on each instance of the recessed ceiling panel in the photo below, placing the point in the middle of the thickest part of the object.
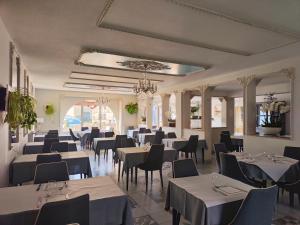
(98, 87)
(99, 59)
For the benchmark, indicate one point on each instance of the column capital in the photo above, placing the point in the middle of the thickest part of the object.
(204, 88)
(289, 73)
(246, 80)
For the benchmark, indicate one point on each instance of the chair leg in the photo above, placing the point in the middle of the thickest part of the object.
(136, 174)
(196, 157)
(161, 178)
(131, 170)
(151, 177)
(176, 217)
(291, 195)
(203, 160)
(146, 177)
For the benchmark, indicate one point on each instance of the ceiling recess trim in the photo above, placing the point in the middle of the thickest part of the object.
(181, 41)
(115, 76)
(106, 81)
(98, 87)
(278, 30)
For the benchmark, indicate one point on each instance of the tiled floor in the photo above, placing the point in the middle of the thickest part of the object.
(148, 208)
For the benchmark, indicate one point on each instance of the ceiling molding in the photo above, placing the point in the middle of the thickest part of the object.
(96, 85)
(186, 4)
(105, 10)
(147, 34)
(116, 76)
(107, 81)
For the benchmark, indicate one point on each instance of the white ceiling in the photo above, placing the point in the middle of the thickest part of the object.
(50, 35)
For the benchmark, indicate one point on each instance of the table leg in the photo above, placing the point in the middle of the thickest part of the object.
(127, 178)
(203, 156)
(136, 174)
(119, 169)
(176, 217)
(131, 173)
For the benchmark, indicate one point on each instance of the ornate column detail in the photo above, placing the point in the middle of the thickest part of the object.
(165, 101)
(289, 72)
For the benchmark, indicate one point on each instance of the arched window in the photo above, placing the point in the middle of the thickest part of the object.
(89, 114)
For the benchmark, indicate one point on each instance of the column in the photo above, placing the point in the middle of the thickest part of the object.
(249, 84)
(149, 103)
(206, 93)
(165, 100)
(230, 113)
(183, 111)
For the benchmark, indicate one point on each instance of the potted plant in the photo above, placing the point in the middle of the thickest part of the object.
(132, 108)
(275, 115)
(20, 110)
(194, 110)
(49, 109)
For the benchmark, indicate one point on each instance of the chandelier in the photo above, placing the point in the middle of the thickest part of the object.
(103, 100)
(145, 86)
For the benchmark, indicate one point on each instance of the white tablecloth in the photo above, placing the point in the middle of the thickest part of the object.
(201, 203)
(275, 166)
(108, 203)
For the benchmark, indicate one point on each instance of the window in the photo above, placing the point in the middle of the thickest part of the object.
(238, 116)
(218, 112)
(81, 115)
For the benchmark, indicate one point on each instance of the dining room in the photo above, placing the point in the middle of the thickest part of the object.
(149, 112)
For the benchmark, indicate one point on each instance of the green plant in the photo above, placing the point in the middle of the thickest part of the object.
(29, 117)
(194, 109)
(49, 109)
(14, 111)
(132, 108)
(20, 111)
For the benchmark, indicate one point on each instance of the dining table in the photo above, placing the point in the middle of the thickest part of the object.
(179, 143)
(268, 166)
(207, 199)
(23, 166)
(109, 205)
(61, 137)
(134, 156)
(37, 147)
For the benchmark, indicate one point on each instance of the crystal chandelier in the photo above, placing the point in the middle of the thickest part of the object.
(145, 86)
(103, 100)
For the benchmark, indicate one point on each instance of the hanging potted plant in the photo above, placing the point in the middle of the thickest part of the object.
(14, 111)
(132, 108)
(29, 116)
(49, 109)
(20, 110)
(275, 115)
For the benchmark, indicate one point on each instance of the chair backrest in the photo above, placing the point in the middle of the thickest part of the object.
(154, 159)
(84, 128)
(93, 128)
(184, 168)
(109, 134)
(74, 138)
(51, 136)
(59, 147)
(130, 143)
(142, 130)
(47, 172)
(53, 132)
(292, 152)
(226, 139)
(226, 132)
(257, 208)
(221, 147)
(192, 143)
(75, 210)
(160, 129)
(48, 143)
(147, 131)
(159, 135)
(95, 133)
(171, 135)
(231, 168)
(42, 158)
(121, 141)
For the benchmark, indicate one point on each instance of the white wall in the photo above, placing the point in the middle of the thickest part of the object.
(6, 155)
(63, 100)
